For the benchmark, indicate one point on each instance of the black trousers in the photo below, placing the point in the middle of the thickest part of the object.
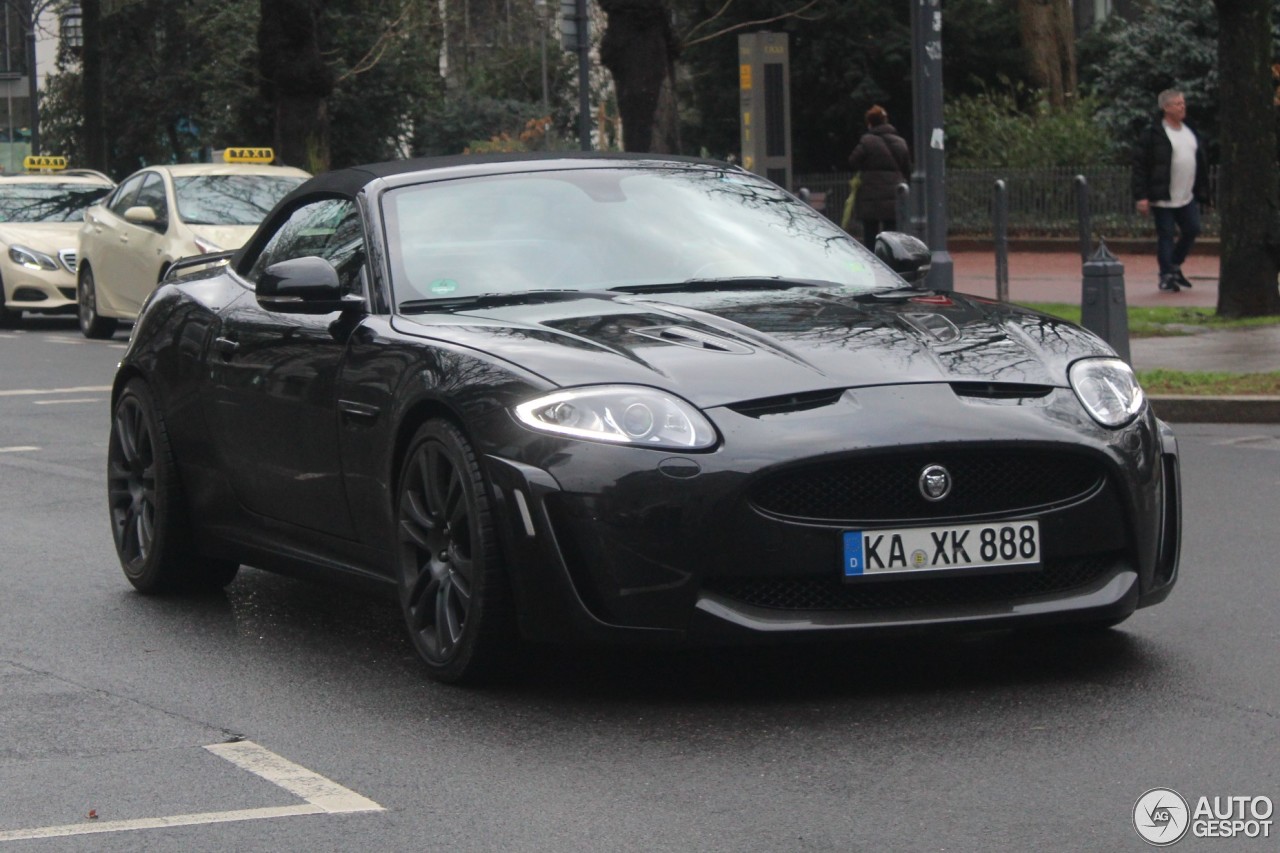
(872, 227)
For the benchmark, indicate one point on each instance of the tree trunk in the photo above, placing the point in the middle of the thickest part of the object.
(1249, 176)
(91, 79)
(296, 80)
(638, 47)
(1048, 35)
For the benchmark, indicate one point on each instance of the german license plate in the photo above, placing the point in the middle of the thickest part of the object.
(869, 553)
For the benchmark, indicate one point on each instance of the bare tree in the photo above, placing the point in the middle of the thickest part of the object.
(296, 79)
(1048, 36)
(640, 48)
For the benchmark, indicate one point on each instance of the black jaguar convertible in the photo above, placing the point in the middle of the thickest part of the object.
(627, 399)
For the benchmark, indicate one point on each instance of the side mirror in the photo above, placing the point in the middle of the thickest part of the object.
(141, 215)
(908, 256)
(307, 285)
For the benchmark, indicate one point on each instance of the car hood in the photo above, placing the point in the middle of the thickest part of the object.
(724, 347)
(225, 237)
(48, 237)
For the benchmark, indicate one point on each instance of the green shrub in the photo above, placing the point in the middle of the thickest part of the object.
(991, 130)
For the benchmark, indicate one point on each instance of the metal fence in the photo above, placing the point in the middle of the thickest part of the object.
(1042, 202)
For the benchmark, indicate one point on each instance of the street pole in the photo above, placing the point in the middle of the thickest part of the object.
(541, 6)
(95, 138)
(584, 76)
(926, 54)
(33, 84)
(919, 122)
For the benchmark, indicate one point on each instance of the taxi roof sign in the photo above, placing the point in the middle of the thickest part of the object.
(39, 163)
(248, 155)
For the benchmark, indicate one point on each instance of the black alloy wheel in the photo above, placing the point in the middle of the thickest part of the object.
(148, 517)
(452, 587)
(92, 325)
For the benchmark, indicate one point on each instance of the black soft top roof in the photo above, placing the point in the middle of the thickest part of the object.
(351, 180)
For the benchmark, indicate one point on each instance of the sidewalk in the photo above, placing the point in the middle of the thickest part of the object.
(1044, 276)
(1057, 277)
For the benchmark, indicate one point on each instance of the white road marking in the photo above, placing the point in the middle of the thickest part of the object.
(323, 796)
(63, 402)
(18, 449)
(294, 778)
(33, 392)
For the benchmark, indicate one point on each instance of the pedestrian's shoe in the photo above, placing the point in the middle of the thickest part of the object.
(1180, 279)
(1169, 282)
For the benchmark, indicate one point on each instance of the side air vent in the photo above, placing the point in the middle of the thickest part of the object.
(1000, 390)
(787, 403)
(686, 336)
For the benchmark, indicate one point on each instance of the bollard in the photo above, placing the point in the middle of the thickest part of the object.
(1000, 210)
(1102, 304)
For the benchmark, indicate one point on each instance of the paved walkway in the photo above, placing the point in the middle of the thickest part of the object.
(1057, 277)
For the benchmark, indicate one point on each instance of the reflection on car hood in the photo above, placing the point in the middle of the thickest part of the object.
(225, 237)
(723, 347)
(48, 237)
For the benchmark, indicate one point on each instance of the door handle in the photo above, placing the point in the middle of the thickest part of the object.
(225, 346)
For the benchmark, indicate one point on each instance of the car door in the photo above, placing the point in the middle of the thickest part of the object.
(100, 244)
(274, 376)
(138, 263)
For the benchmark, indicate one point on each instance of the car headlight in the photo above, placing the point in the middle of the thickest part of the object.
(1108, 389)
(31, 259)
(620, 414)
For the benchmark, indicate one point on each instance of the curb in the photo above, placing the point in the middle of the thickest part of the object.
(1211, 246)
(1217, 410)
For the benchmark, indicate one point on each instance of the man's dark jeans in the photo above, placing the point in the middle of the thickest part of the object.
(1187, 222)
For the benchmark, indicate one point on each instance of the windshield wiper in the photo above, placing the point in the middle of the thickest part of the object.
(488, 300)
(701, 285)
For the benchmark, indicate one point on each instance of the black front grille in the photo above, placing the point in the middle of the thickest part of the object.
(832, 594)
(884, 488)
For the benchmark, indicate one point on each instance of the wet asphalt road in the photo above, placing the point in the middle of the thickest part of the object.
(107, 698)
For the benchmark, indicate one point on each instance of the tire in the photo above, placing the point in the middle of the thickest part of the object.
(8, 319)
(92, 324)
(453, 587)
(148, 515)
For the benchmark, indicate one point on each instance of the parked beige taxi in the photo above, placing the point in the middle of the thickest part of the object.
(40, 215)
(161, 214)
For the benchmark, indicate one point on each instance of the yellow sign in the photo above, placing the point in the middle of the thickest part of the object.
(744, 77)
(248, 155)
(33, 163)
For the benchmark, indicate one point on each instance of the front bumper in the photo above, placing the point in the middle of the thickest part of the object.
(39, 291)
(631, 545)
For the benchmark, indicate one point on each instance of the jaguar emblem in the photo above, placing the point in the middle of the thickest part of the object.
(935, 482)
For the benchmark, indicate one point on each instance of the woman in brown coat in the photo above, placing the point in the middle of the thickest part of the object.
(883, 161)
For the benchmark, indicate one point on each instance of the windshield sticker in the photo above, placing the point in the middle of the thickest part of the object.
(443, 286)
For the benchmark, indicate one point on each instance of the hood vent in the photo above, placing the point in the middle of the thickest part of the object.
(787, 403)
(1000, 390)
(687, 336)
(935, 326)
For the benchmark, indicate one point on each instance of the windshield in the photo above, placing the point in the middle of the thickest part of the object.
(586, 229)
(230, 199)
(47, 202)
